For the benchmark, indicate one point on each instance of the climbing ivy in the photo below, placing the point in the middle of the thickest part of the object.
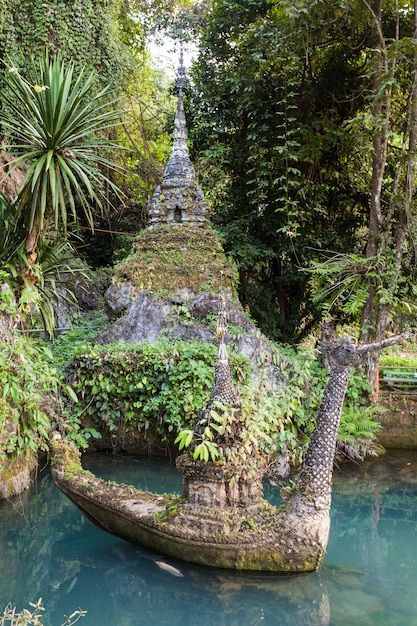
(85, 31)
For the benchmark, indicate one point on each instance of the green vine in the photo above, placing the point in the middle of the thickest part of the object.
(84, 31)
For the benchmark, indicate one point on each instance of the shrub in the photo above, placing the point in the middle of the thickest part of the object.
(32, 617)
(29, 384)
(145, 386)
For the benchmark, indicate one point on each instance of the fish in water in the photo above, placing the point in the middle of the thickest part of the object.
(169, 568)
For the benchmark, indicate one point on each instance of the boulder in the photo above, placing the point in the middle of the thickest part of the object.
(147, 317)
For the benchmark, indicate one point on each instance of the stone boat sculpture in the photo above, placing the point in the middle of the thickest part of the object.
(221, 520)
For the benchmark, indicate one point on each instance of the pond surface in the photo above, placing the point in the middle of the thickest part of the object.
(49, 549)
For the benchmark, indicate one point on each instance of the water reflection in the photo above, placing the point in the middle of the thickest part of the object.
(48, 549)
(136, 591)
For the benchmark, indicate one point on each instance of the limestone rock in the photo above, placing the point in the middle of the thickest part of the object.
(118, 298)
(85, 293)
(147, 317)
(143, 321)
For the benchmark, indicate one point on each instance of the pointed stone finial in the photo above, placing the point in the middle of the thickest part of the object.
(223, 389)
(181, 72)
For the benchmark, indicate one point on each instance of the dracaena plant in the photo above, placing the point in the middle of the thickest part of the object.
(57, 127)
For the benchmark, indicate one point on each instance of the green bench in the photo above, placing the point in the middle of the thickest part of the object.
(398, 379)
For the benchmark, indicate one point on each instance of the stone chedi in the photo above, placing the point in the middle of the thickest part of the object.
(178, 199)
(226, 484)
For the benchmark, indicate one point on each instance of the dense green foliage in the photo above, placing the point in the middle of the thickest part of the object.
(297, 401)
(29, 389)
(31, 403)
(28, 403)
(273, 86)
(32, 390)
(54, 126)
(159, 386)
(86, 31)
(398, 360)
(302, 114)
(56, 137)
(157, 389)
(85, 327)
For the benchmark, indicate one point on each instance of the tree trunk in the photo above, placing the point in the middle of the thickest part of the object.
(378, 168)
(31, 244)
(389, 215)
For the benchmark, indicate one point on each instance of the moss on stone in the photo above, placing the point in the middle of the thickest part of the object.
(66, 455)
(16, 473)
(170, 258)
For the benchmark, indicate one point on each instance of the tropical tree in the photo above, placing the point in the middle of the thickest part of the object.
(56, 129)
(376, 282)
(274, 84)
(305, 113)
(394, 141)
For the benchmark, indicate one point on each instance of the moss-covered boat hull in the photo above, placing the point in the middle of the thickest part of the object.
(260, 538)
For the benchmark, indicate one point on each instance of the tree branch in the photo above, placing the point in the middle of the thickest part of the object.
(382, 343)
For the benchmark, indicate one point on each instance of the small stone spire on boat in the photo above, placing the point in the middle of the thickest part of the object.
(223, 391)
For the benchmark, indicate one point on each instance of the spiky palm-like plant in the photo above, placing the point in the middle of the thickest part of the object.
(57, 126)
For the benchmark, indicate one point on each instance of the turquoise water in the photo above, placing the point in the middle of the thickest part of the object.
(369, 577)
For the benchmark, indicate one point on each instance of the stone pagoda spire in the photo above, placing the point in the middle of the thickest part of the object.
(178, 200)
(223, 390)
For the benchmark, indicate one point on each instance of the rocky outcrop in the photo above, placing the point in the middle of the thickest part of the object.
(147, 317)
